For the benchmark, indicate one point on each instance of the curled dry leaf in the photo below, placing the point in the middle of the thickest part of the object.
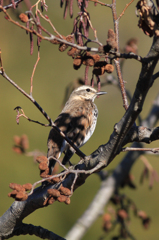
(62, 198)
(88, 60)
(44, 174)
(146, 222)
(107, 225)
(17, 150)
(56, 180)
(122, 214)
(40, 159)
(43, 166)
(17, 140)
(73, 52)
(109, 68)
(67, 201)
(96, 57)
(24, 142)
(51, 200)
(17, 187)
(142, 214)
(131, 46)
(64, 46)
(99, 68)
(55, 41)
(12, 194)
(27, 186)
(20, 195)
(77, 62)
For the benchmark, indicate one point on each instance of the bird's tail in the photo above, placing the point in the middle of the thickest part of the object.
(55, 147)
(67, 156)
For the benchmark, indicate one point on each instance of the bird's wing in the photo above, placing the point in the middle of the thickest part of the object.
(79, 123)
(78, 131)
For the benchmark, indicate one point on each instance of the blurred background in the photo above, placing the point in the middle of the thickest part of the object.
(53, 74)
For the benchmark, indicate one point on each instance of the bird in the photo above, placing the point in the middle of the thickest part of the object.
(77, 120)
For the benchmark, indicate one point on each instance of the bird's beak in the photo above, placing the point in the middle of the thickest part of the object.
(100, 93)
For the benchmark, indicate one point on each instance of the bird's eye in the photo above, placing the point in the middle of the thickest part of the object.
(88, 89)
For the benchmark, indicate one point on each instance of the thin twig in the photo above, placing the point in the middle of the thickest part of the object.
(57, 160)
(1, 64)
(122, 85)
(73, 184)
(49, 21)
(146, 162)
(154, 150)
(63, 173)
(31, 80)
(129, 55)
(117, 63)
(101, 3)
(90, 23)
(127, 5)
(30, 120)
(51, 36)
(19, 25)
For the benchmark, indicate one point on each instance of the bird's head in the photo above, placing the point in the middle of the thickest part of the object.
(86, 92)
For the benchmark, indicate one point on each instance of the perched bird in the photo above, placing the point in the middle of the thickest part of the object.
(77, 120)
